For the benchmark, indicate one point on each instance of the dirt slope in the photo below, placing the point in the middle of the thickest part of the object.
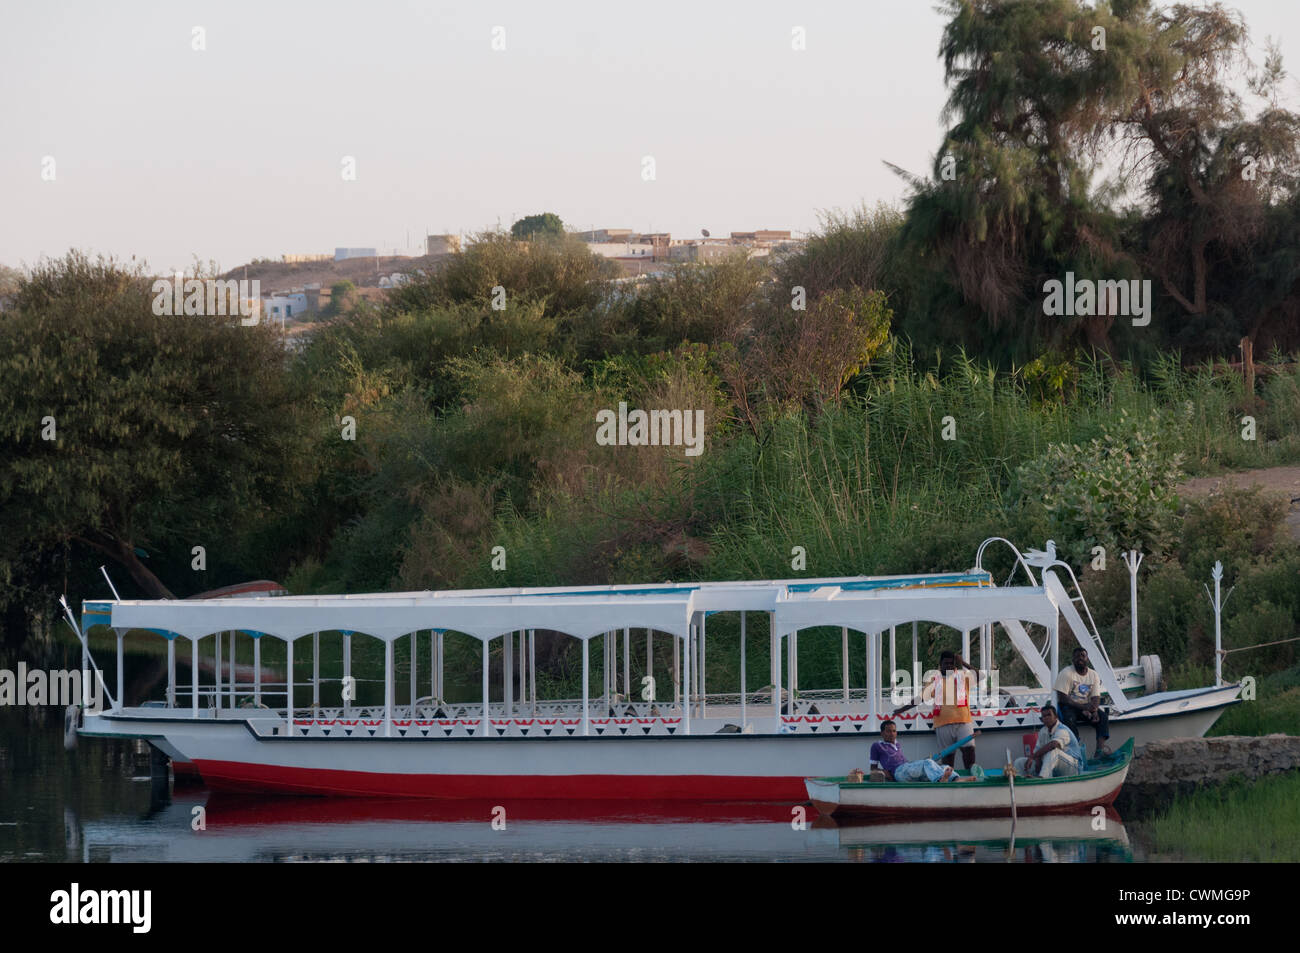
(1277, 481)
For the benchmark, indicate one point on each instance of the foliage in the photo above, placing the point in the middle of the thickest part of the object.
(1115, 492)
(167, 431)
(416, 348)
(1275, 708)
(709, 304)
(1051, 377)
(542, 225)
(854, 249)
(10, 278)
(343, 297)
(562, 274)
(1042, 95)
(806, 359)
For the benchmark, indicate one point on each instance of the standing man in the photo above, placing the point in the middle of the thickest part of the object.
(1078, 692)
(952, 718)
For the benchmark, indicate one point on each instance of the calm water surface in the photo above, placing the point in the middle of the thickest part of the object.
(101, 803)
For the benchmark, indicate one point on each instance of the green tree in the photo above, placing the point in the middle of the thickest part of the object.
(1010, 199)
(343, 295)
(1038, 90)
(127, 430)
(542, 225)
(1217, 180)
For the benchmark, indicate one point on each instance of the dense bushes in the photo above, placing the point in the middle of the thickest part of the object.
(1115, 492)
(442, 427)
(560, 272)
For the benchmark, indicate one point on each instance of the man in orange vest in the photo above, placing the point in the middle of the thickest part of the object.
(952, 717)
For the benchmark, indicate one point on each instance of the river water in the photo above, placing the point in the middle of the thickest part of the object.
(102, 802)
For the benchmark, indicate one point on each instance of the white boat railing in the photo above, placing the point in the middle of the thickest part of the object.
(874, 606)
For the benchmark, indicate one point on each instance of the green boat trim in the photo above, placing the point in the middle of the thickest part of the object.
(1099, 767)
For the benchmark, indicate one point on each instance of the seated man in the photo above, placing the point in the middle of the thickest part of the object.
(889, 756)
(1078, 692)
(1057, 755)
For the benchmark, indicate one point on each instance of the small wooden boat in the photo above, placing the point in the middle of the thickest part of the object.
(1097, 785)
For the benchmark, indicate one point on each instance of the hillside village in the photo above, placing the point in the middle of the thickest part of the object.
(299, 289)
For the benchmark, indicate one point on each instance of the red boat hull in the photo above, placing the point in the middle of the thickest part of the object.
(245, 777)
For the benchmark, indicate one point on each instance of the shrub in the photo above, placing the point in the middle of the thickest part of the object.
(849, 250)
(1116, 491)
(694, 302)
(1050, 378)
(562, 273)
(806, 359)
(1234, 526)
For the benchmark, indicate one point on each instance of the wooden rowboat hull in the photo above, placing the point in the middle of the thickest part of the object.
(1096, 787)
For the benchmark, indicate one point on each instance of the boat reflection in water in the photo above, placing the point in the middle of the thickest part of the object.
(1056, 838)
(240, 829)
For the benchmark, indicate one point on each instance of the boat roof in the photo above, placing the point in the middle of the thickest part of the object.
(863, 603)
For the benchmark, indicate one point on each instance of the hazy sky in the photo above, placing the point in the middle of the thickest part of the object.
(234, 152)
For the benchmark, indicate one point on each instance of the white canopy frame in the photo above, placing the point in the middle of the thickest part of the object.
(967, 602)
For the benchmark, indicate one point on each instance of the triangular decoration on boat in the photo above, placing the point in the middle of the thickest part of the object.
(998, 720)
(447, 732)
(569, 730)
(645, 731)
(672, 731)
(547, 730)
(622, 731)
(372, 732)
(1020, 721)
(500, 732)
(835, 727)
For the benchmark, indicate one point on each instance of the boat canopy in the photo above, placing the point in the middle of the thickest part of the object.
(387, 619)
(875, 611)
(964, 601)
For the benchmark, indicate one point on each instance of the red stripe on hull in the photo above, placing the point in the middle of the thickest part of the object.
(244, 777)
(184, 769)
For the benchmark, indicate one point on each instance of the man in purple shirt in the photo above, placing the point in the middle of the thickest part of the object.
(889, 756)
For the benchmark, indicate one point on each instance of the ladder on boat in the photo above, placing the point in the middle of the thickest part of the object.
(1085, 633)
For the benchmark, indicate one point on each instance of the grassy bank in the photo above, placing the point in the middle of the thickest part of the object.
(1236, 822)
(1275, 708)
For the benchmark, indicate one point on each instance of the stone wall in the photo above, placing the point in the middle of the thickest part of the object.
(1181, 765)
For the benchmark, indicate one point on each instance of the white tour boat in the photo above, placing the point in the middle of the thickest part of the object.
(753, 744)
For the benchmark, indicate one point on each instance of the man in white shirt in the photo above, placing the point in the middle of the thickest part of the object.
(1078, 692)
(1057, 754)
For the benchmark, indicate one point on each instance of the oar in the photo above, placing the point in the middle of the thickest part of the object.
(1011, 780)
(954, 746)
